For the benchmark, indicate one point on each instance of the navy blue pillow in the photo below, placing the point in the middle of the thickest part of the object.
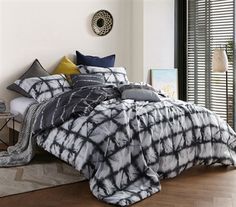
(88, 60)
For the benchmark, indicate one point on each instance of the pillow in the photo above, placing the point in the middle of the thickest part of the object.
(139, 92)
(44, 88)
(35, 70)
(82, 80)
(88, 60)
(113, 75)
(66, 66)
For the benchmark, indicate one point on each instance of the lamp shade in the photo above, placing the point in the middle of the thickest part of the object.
(219, 60)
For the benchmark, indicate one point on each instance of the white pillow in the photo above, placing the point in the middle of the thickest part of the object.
(44, 88)
(112, 75)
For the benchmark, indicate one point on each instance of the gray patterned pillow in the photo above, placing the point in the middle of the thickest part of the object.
(139, 92)
(81, 80)
(112, 75)
(35, 70)
(44, 88)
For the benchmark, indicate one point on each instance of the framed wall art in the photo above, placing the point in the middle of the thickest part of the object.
(166, 80)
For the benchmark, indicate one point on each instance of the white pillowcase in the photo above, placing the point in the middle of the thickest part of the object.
(112, 75)
(44, 88)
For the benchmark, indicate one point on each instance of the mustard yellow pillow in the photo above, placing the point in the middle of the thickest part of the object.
(66, 66)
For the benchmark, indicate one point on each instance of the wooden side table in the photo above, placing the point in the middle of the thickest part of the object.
(7, 116)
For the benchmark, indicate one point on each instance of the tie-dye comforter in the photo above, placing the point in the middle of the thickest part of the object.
(125, 147)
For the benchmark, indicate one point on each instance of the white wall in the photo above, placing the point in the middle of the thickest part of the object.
(137, 41)
(50, 29)
(158, 37)
(152, 37)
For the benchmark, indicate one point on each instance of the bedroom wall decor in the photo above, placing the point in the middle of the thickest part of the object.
(166, 80)
(102, 22)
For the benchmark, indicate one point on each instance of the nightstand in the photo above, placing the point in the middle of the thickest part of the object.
(6, 117)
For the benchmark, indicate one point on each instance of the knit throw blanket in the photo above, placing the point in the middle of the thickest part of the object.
(23, 151)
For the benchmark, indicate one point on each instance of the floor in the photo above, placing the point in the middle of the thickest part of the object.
(198, 187)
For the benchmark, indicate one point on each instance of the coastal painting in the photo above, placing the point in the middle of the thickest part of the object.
(165, 80)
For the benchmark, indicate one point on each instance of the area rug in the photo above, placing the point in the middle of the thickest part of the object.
(44, 171)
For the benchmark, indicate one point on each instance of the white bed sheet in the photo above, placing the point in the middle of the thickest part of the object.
(19, 105)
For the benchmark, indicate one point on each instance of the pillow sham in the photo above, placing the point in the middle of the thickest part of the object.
(35, 70)
(112, 75)
(89, 60)
(82, 80)
(139, 92)
(44, 88)
(66, 66)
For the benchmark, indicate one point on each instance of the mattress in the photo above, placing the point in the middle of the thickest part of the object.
(18, 106)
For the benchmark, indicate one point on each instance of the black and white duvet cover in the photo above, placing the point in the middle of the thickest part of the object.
(125, 147)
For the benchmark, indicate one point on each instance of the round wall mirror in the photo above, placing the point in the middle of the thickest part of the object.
(102, 22)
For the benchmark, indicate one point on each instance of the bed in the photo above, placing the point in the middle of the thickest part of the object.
(123, 144)
(125, 147)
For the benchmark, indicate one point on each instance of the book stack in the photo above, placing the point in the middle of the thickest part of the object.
(2, 106)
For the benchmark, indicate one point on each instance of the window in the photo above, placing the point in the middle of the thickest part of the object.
(210, 24)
